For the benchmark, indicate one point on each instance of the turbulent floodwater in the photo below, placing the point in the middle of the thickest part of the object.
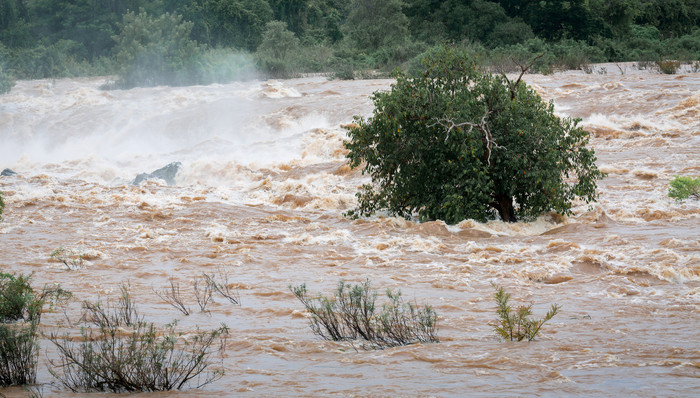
(261, 193)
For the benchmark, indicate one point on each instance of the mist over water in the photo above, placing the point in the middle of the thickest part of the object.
(261, 193)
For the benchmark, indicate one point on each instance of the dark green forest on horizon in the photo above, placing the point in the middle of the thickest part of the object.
(180, 42)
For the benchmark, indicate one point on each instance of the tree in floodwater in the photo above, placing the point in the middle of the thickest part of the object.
(457, 143)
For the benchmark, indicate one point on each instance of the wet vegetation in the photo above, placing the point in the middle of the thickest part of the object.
(204, 289)
(2, 205)
(455, 143)
(173, 296)
(72, 259)
(682, 188)
(179, 42)
(352, 314)
(119, 351)
(516, 324)
(20, 313)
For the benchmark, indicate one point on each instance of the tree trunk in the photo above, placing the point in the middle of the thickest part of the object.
(504, 205)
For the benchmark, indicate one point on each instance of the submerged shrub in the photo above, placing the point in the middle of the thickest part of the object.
(668, 67)
(515, 324)
(2, 206)
(353, 314)
(120, 352)
(20, 313)
(73, 259)
(19, 351)
(682, 188)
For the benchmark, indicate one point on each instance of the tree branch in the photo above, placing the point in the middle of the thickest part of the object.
(523, 70)
(450, 125)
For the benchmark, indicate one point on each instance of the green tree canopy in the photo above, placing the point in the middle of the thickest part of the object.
(372, 24)
(457, 143)
(276, 49)
(156, 50)
(6, 83)
(237, 23)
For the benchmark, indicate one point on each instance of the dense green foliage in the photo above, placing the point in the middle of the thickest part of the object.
(684, 187)
(277, 47)
(6, 84)
(455, 143)
(2, 205)
(155, 50)
(57, 38)
(20, 313)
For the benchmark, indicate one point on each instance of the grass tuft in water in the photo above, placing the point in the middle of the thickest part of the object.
(352, 314)
(515, 324)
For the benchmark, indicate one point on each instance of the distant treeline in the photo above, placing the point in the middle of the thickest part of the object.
(148, 42)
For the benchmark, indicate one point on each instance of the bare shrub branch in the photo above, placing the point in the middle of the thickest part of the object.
(114, 356)
(123, 313)
(203, 292)
(173, 296)
(223, 288)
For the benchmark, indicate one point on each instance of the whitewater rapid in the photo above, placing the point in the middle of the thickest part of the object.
(261, 195)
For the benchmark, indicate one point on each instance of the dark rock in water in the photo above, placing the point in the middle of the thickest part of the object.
(166, 174)
(8, 173)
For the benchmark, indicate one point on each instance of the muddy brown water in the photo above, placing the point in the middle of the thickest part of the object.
(261, 193)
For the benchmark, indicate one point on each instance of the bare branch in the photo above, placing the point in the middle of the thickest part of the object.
(203, 295)
(523, 70)
(223, 288)
(173, 296)
(483, 126)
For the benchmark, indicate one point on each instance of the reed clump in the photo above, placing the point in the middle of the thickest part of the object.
(516, 324)
(118, 351)
(352, 314)
(20, 314)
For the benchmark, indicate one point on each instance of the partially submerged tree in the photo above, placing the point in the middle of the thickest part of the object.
(455, 143)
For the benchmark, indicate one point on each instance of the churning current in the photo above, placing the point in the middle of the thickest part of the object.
(260, 195)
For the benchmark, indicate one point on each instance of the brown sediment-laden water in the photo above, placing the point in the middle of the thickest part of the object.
(261, 194)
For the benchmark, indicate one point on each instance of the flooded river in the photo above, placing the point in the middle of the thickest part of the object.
(261, 194)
